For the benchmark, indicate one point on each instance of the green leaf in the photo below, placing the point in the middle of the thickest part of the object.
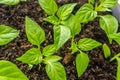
(82, 61)
(49, 6)
(106, 50)
(61, 35)
(74, 47)
(52, 19)
(65, 11)
(32, 56)
(49, 50)
(51, 59)
(73, 24)
(9, 71)
(86, 13)
(118, 69)
(7, 34)
(56, 71)
(109, 24)
(116, 37)
(87, 44)
(105, 5)
(35, 33)
(91, 1)
(9, 2)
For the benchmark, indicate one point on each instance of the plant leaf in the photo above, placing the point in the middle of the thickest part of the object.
(74, 47)
(73, 24)
(32, 56)
(91, 1)
(105, 5)
(49, 50)
(87, 44)
(56, 71)
(9, 71)
(109, 24)
(61, 35)
(9, 2)
(118, 69)
(51, 59)
(86, 13)
(116, 37)
(106, 50)
(49, 6)
(35, 33)
(52, 19)
(7, 34)
(65, 11)
(82, 61)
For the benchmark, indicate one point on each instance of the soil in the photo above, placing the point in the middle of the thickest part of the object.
(99, 68)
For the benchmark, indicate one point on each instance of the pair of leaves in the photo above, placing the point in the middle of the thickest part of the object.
(54, 69)
(9, 71)
(82, 59)
(109, 24)
(105, 5)
(86, 13)
(50, 7)
(63, 14)
(7, 34)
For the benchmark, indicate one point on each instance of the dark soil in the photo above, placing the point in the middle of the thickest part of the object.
(99, 68)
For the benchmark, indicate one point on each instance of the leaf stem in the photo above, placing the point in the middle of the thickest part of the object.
(115, 57)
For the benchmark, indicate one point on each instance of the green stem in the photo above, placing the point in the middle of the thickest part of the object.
(115, 57)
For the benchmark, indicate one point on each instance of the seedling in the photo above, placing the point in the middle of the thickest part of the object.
(65, 23)
(108, 23)
(82, 59)
(10, 2)
(117, 57)
(35, 56)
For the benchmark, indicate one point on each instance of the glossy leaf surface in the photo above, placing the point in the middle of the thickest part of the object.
(32, 56)
(9, 71)
(7, 34)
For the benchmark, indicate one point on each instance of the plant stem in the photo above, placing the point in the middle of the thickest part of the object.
(115, 57)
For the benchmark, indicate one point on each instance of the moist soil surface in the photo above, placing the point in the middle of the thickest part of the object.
(99, 68)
